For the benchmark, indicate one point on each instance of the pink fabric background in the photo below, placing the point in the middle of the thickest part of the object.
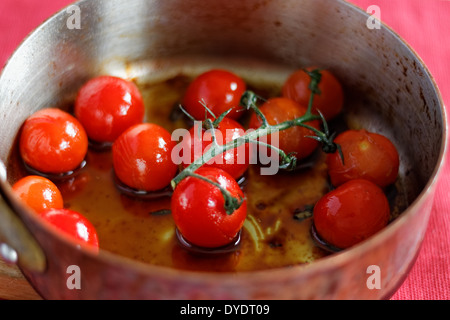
(424, 24)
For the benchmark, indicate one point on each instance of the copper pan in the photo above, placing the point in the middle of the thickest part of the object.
(388, 89)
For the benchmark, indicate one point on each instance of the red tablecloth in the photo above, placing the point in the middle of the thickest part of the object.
(424, 24)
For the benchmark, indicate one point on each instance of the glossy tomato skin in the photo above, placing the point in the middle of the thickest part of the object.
(219, 89)
(73, 224)
(351, 213)
(330, 101)
(295, 139)
(234, 161)
(367, 155)
(38, 193)
(142, 157)
(106, 106)
(198, 209)
(53, 141)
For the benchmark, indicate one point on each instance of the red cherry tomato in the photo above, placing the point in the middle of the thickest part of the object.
(199, 213)
(38, 193)
(295, 139)
(234, 161)
(220, 90)
(142, 157)
(106, 106)
(367, 155)
(330, 101)
(74, 224)
(351, 213)
(53, 141)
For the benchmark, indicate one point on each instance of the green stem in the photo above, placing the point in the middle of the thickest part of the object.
(249, 100)
(217, 149)
(315, 77)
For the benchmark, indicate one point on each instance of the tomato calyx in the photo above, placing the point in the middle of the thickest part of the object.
(326, 139)
(316, 77)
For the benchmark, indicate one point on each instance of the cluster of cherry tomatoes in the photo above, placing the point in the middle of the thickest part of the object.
(358, 207)
(53, 145)
(109, 111)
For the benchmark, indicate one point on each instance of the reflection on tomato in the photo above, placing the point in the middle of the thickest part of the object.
(142, 157)
(38, 193)
(73, 224)
(198, 209)
(53, 141)
(106, 106)
(219, 90)
(367, 155)
(329, 102)
(351, 213)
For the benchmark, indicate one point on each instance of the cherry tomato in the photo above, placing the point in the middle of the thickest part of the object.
(367, 155)
(219, 90)
(53, 141)
(351, 213)
(199, 213)
(234, 161)
(38, 193)
(142, 157)
(295, 139)
(330, 101)
(106, 106)
(72, 223)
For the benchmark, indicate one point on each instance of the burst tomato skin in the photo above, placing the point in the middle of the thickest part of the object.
(106, 106)
(73, 224)
(330, 101)
(234, 161)
(367, 155)
(142, 157)
(38, 193)
(219, 89)
(53, 141)
(280, 109)
(198, 209)
(351, 213)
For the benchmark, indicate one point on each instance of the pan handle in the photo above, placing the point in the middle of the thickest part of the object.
(17, 245)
